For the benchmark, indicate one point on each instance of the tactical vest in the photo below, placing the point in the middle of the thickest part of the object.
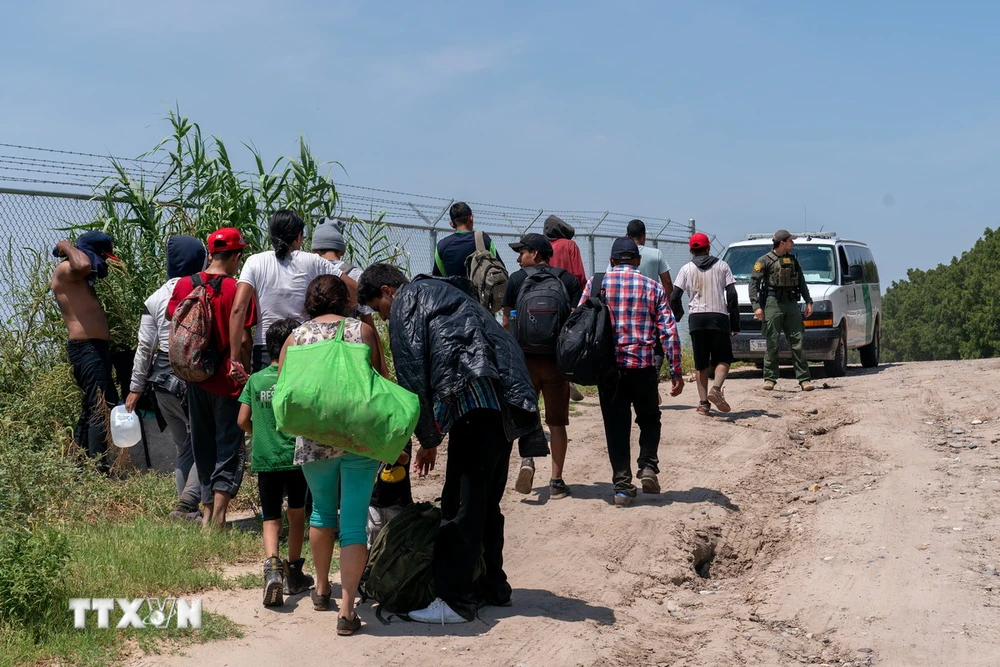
(783, 274)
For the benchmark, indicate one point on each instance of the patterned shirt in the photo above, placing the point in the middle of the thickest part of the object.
(478, 394)
(306, 450)
(639, 312)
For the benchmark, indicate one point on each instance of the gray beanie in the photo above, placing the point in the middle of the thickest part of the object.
(327, 236)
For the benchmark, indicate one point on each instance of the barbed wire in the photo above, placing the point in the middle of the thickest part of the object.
(358, 200)
(56, 150)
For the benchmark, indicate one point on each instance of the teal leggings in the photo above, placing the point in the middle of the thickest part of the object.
(343, 483)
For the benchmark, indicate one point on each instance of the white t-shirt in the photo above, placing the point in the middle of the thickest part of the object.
(355, 275)
(651, 263)
(281, 285)
(706, 290)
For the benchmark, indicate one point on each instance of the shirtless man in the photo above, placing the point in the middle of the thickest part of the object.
(73, 285)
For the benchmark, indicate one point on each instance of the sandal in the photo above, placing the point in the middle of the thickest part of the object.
(321, 602)
(347, 627)
(705, 408)
(717, 398)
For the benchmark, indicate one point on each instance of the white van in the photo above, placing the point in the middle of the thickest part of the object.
(847, 300)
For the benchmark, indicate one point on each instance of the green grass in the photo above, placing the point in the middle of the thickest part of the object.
(146, 558)
(246, 581)
(94, 647)
(140, 557)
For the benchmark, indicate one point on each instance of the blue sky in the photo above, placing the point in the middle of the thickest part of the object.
(879, 119)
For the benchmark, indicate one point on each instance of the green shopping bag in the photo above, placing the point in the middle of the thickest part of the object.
(329, 392)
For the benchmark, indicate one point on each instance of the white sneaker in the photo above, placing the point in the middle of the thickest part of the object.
(436, 612)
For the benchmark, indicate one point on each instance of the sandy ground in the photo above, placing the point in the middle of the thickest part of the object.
(852, 525)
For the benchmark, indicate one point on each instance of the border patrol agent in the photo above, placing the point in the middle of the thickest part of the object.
(776, 286)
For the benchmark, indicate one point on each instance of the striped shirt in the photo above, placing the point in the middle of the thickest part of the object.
(706, 289)
(639, 313)
(477, 394)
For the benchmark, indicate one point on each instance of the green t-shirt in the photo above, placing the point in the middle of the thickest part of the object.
(272, 450)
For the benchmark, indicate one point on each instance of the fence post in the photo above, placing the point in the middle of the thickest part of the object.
(593, 262)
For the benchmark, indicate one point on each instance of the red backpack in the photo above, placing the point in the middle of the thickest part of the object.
(192, 355)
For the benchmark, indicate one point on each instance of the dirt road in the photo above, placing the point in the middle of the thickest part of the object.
(853, 525)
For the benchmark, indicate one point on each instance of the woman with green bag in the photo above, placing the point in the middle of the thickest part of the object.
(338, 479)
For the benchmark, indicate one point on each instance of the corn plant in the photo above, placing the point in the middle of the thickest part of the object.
(368, 242)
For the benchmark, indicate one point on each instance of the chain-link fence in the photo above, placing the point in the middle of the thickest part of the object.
(36, 220)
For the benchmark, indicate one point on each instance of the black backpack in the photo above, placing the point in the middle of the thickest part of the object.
(542, 309)
(585, 353)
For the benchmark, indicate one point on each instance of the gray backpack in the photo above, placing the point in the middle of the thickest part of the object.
(487, 274)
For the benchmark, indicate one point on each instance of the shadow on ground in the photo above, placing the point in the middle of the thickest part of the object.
(527, 602)
(605, 491)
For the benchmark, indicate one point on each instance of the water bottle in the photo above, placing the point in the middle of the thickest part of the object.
(125, 428)
(513, 324)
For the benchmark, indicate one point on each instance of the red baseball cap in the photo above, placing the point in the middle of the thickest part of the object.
(227, 238)
(699, 241)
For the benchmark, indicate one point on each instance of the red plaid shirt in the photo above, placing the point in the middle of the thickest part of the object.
(639, 311)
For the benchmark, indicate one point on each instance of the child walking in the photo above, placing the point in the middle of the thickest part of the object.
(277, 476)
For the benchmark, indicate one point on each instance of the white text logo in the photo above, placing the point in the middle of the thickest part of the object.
(138, 613)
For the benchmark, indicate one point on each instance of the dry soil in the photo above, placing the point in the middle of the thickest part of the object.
(851, 525)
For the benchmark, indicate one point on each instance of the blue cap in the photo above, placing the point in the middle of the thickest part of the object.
(624, 249)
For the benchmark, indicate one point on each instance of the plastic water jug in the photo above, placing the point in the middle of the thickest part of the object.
(125, 428)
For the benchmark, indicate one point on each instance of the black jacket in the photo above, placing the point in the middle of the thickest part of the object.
(441, 338)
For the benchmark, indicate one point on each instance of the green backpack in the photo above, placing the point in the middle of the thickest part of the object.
(400, 571)
(399, 575)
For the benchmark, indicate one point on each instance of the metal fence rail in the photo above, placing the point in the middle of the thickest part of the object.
(36, 220)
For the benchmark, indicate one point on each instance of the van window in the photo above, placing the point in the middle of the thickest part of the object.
(817, 261)
(870, 269)
(862, 256)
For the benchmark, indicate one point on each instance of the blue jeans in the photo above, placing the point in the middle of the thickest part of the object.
(343, 483)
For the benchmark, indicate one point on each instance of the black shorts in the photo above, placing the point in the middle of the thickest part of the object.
(710, 347)
(274, 486)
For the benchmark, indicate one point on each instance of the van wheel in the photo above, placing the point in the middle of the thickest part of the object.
(837, 367)
(871, 352)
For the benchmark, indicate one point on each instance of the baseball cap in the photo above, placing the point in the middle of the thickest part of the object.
(624, 248)
(699, 241)
(533, 242)
(327, 236)
(783, 235)
(227, 238)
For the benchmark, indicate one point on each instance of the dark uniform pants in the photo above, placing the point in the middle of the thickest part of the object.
(784, 316)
